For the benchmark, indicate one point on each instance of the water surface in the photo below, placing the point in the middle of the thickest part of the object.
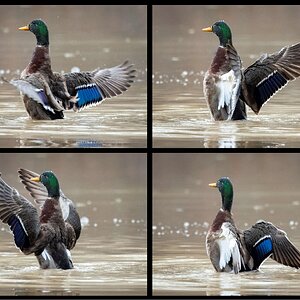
(183, 53)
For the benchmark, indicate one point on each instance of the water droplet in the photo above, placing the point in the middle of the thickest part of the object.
(205, 224)
(84, 221)
(75, 70)
(69, 55)
(118, 200)
(257, 207)
(186, 224)
(5, 30)
(184, 73)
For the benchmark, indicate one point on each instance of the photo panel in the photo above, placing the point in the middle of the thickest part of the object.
(102, 197)
(81, 68)
(223, 76)
(207, 224)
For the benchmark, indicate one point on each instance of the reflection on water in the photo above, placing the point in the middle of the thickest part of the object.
(117, 122)
(110, 257)
(265, 187)
(76, 130)
(182, 54)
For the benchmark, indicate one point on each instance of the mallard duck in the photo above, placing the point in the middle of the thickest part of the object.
(230, 249)
(227, 87)
(51, 234)
(46, 94)
(40, 194)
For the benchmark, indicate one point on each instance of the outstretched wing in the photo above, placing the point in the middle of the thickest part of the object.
(265, 240)
(20, 215)
(269, 74)
(91, 88)
(37, 191)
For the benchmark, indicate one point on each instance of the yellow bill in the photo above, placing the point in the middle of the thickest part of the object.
(213, 184)
(207, 29)
(26, 28)
(36, 179)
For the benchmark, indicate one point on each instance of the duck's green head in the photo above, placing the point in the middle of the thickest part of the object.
(226, 189)
(49, 180)
(40, 30)
(222, 30)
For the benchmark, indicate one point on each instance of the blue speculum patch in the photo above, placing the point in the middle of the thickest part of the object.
(263, 249)
(88, 94)
(21, 239)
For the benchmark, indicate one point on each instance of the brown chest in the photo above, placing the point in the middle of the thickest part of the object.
(40, 61)
(220, 62)
(51, 212)
(221, 217)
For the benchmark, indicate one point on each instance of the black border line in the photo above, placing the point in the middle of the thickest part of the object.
(149, 150)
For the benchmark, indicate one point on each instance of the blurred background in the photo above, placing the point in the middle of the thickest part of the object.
(266, 186)
(258, 178)
(82, 37)
(109, 191)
